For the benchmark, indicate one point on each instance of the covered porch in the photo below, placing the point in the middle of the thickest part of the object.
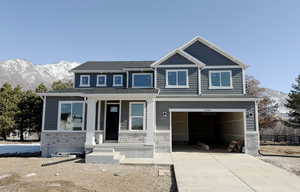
(120, 123)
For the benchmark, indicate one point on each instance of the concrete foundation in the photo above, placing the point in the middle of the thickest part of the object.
(56, 142)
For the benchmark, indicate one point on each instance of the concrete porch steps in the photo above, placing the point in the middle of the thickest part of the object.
(104, 155)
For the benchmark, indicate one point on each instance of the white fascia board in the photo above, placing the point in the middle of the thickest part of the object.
(206, 99)
(96, 95)
(214, 47)
(98, 71)
(180, 52)
(138, 69)
(205, 110)
(223, 67)
(61, 94)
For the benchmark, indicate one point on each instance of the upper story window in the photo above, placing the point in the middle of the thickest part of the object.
(101, 80)
(177, 78)
(220, 80)
(84, 80)
(71, 116)
(118, 80)
(142, 80)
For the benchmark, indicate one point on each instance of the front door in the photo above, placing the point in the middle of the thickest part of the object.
(112, 122)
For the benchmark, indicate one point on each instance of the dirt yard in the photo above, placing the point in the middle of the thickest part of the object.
(280, 150)
(71, 175)
(286, 157)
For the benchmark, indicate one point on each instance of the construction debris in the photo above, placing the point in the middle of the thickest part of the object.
(203, 146)
(236, 146)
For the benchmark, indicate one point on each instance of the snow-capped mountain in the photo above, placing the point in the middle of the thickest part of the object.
(29, 76)
(279, 97)
(24, 73)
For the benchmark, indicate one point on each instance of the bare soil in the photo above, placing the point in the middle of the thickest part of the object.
(280, 150)
(286, 157)
(72, 175)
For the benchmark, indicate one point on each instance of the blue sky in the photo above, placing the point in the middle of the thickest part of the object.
(261, 33)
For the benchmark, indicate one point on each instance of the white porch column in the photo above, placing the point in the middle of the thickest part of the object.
(90, 123)
(150, 121)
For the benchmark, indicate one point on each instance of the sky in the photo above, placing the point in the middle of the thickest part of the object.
(264, 34)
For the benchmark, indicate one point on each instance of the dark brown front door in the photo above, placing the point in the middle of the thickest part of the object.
(112, 122)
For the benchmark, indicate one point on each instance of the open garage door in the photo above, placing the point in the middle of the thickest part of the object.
(216, 129)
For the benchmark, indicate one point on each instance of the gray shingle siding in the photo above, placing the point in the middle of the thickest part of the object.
(237, 82)
(51, 113)
(207, 55)
(93, 79)
(163, 123)
(193, 82)
(176, 60)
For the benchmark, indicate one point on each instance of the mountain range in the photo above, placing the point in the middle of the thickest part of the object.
(29, 76)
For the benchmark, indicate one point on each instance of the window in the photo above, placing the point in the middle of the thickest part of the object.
(137, 116)
(177, 79)
(118, 80)
(71, 116)
(220, 80)
(142, 80)
(101, 80)
(84, 80)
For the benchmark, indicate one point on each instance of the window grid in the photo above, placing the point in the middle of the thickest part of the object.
(177, 79)
(136, 116)
(220, 86)
(114, 80)
(105, 80)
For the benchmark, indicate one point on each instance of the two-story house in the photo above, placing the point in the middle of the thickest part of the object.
(195, 93)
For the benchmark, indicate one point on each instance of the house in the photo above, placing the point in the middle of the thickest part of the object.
(195, 93)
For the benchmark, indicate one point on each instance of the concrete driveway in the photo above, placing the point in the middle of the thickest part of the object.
(210, 172)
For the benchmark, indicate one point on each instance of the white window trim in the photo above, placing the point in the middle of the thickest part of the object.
(219, 87)
(177, 86)
(81, 83)
(59, 114)
(136, 74)
(144, 117)
(114, 83)
(105, 81)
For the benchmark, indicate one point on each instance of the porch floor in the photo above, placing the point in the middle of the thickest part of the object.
(159, 159)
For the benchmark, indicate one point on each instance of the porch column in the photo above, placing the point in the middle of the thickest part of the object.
(150, 121)
(90, 123)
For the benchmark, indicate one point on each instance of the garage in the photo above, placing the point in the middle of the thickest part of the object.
(216, 128)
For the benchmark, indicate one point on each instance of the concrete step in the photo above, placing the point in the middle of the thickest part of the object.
(104, 157)
(104, 149)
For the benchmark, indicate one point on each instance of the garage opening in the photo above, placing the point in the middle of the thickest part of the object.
(215, 129)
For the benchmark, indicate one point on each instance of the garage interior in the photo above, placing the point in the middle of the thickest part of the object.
(215, 129)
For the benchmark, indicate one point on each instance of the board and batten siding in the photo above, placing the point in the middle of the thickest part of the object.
(177, 59)
(207, 55)
(193, 82)
(163, 122)
(51, 113)
(93, 79)
(237, 82)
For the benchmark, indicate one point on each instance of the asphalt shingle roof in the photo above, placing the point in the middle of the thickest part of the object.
(113, 65)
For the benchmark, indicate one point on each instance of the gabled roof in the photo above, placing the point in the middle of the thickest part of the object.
(180, 52)
(111, 65)
(215, 48)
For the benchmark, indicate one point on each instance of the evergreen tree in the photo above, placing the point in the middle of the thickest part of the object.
(293, 103)
(58, 85)
(8, 108)
(29, 117)
(41, 88)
